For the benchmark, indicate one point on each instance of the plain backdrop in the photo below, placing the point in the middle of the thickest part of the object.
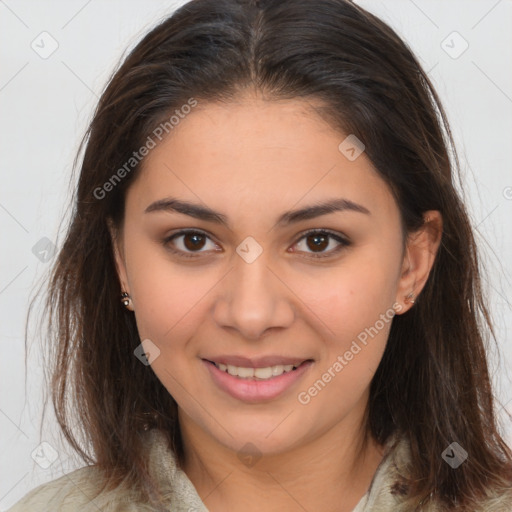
(55, 59)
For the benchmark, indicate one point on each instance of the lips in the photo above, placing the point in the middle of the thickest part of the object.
(252, 390)
(256, 362)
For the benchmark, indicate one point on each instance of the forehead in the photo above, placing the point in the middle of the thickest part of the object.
(256, 154)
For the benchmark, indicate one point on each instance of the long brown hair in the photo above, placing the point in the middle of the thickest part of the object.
(432, 385)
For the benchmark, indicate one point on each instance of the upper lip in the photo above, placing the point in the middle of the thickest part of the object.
(256, 362)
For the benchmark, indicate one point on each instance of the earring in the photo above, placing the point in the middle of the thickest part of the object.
(410, 298)
(127, 301)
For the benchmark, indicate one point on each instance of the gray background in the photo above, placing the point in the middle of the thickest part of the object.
(46, 103)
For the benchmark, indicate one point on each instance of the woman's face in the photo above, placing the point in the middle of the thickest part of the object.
(250, 283)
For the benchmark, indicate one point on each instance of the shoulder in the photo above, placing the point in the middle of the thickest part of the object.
(498, 502)
(388, 492)
(84, 489)
(79, 490)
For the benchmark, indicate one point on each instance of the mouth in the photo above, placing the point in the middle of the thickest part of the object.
(257, 384)
(261, 373)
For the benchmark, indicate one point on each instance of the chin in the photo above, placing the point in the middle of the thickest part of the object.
(266, 438)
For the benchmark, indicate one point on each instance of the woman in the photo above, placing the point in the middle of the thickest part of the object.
(269, 295)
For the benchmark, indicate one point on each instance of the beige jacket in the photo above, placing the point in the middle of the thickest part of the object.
(73, 492)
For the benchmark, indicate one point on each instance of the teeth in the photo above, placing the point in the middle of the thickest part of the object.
(259, 373)
(277, 370)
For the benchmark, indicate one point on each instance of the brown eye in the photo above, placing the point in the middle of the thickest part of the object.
(186, 243)
(189, 243)
(193, 241)
(319, 240)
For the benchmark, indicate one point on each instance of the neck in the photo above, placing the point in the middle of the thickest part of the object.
(330, 472)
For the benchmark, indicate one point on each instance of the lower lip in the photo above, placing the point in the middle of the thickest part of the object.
(253, 390)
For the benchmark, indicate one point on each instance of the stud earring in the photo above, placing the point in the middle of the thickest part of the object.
(127, 301)
(410, 298)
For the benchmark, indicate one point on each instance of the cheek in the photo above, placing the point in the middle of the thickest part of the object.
(170, 309)
(350, 297)
(354, 304)
(361, 322)
(167, 296)
(170, 304)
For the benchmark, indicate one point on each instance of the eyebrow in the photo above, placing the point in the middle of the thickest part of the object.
(170, 204)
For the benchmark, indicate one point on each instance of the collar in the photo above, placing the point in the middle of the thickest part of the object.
(177, 489)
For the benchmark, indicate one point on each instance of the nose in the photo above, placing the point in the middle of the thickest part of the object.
(253, 299)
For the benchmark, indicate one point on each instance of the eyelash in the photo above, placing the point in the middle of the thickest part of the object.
(333, 235)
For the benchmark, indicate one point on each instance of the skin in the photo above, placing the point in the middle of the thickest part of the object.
(252, 160)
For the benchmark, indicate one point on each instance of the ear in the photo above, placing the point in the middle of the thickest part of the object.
(419, 257)
(116, 237)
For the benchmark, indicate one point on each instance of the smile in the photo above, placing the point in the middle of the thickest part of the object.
(256, 384)
(258, 373)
